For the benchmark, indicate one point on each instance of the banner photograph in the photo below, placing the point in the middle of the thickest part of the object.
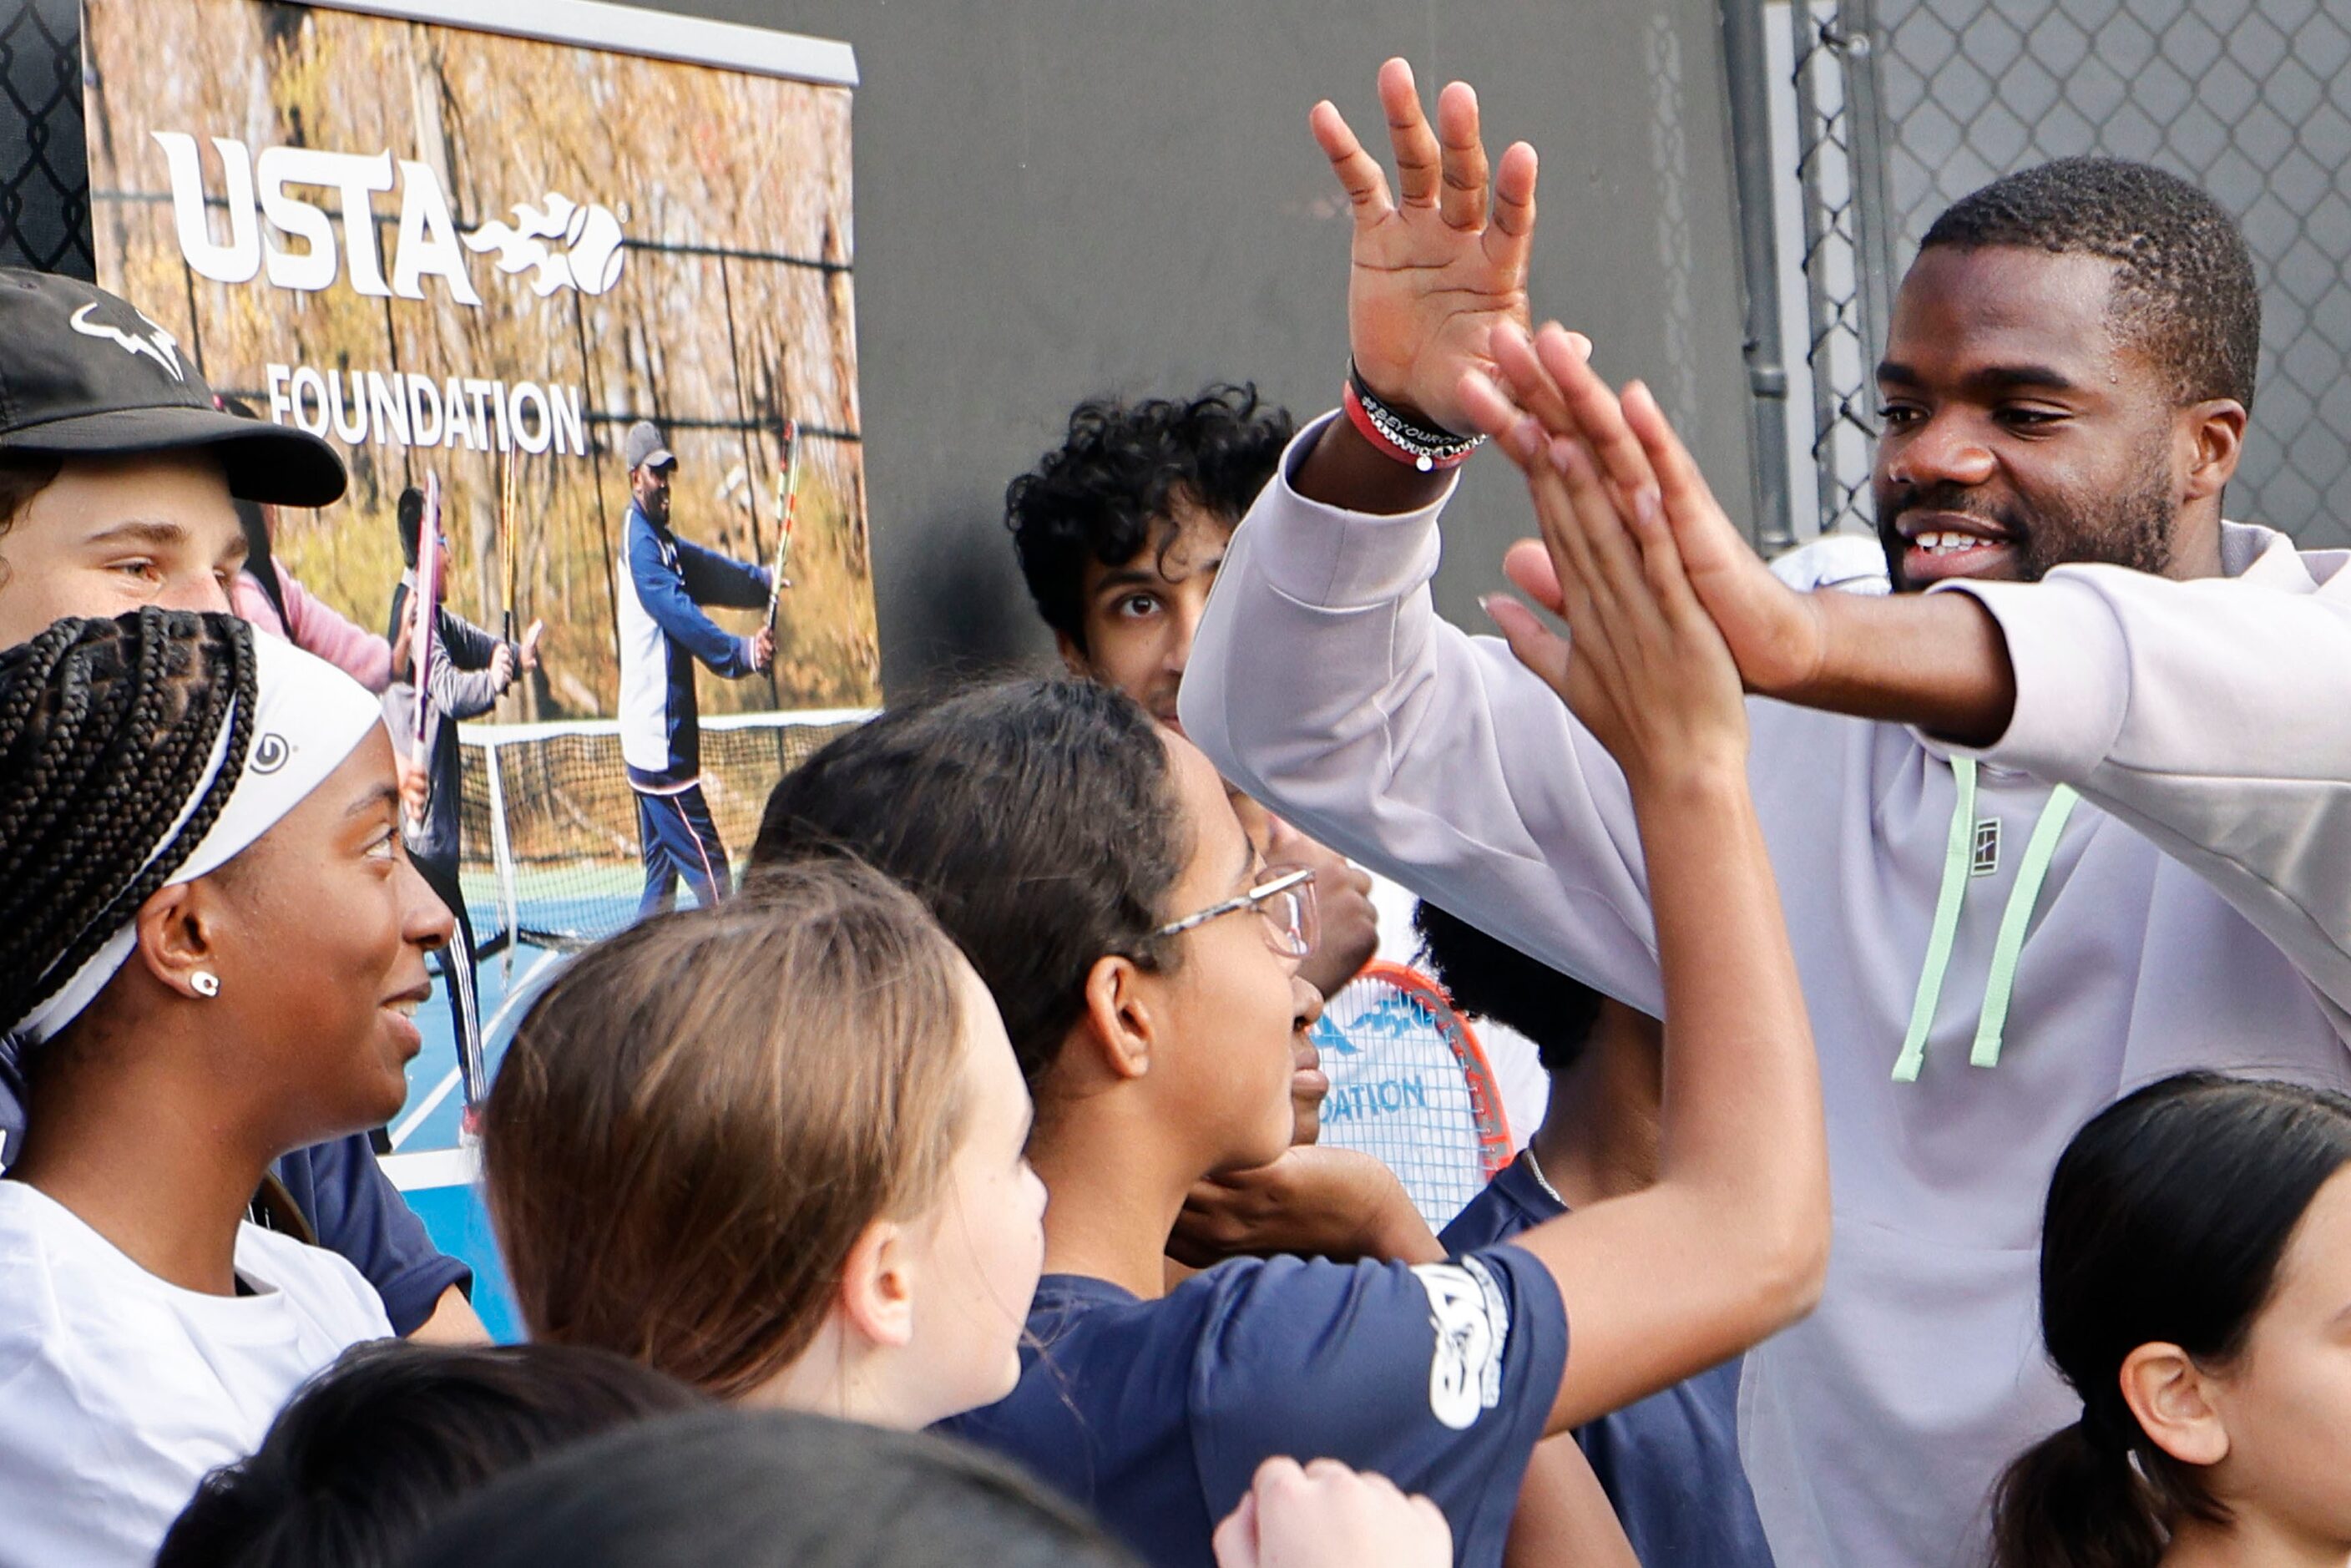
(579, 320)
(484, 259)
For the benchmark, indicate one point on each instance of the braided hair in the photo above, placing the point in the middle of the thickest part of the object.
(106, 729)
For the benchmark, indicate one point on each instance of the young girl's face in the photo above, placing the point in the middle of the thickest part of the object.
(323, 927)
(2286, 1402)
(981, 1247)
(1231, 1003)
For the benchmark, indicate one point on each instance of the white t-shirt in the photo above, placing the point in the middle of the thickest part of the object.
(117, 1390)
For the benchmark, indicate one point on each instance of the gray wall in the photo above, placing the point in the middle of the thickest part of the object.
(1057, 198)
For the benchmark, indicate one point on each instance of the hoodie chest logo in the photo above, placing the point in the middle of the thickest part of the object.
(1986, 859)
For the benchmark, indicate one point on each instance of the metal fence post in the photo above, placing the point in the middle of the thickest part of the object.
(1743, 63)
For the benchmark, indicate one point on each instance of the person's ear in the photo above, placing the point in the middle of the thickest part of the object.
(2216, 432)
(877, 1286)
(1074, 655)
(1119, 1018)
(2172, 1397)
(179, 936)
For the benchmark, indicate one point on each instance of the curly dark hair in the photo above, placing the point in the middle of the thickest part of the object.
(2184, 295)
(1110, 483)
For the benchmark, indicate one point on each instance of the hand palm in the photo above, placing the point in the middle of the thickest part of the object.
(1433, 272)
(1423, 299)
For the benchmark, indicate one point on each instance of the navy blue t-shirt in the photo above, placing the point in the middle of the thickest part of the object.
(1156, 1414)
(352, 1207)
(1669, 1462)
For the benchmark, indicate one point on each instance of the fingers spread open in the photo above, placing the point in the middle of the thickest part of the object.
(1419, 161)
(1510, 238)
(1359, 172)
(1463, 203)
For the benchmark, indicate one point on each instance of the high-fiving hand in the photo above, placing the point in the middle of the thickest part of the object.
(1550, 406)
(1435, 270)
(1644, 665)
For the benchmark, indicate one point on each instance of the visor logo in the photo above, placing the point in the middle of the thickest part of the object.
(270, 752)
(155, 343)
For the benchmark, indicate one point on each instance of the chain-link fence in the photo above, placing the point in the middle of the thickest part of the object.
(44, 168)
(1904, 106)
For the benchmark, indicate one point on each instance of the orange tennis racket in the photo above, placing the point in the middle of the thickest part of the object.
(1411, 1085)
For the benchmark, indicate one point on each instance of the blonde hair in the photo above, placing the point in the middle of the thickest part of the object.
(696, 1122)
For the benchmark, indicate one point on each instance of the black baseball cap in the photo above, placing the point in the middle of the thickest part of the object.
(85, 374)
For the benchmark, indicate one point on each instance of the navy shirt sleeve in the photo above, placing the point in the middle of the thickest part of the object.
(714, 578)
(355, 1210)
(663, 589)
(1439, 1377)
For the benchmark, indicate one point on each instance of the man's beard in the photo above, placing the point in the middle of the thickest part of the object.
(2133, 529)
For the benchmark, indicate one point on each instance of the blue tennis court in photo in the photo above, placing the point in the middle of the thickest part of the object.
(435, 1171)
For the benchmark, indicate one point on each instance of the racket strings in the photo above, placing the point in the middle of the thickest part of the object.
(1408, 1086)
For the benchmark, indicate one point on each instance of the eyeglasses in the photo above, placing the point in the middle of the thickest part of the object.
(1286, 901)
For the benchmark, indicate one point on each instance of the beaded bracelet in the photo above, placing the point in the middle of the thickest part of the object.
(1422, 447)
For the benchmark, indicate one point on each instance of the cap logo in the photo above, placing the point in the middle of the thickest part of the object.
(155, 343)
(270, 752)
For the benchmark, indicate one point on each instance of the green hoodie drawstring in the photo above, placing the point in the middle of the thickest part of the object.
(2000, 985)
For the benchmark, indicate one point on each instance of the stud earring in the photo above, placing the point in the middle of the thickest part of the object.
(205, 983)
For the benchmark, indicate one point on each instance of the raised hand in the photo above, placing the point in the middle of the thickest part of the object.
(1433, 271)
(530, 637)
(1554, 401)
(1643, 665)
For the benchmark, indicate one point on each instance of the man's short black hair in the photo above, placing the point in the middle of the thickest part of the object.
(2184, 293)
(410, 513)
(1116, 476)
(1038, 818)
(1488, 978)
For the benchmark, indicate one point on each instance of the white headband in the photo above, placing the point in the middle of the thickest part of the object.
(308, 716)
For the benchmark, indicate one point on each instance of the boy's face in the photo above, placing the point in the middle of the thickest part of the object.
(1141, 616)
(111, 535)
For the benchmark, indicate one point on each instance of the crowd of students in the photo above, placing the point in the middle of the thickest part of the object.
(951, 1190)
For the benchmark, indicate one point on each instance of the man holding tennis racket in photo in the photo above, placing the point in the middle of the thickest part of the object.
(2044, 839)
(664, 582)
(469, 668)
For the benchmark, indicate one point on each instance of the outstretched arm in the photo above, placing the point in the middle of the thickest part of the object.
(2184, 708)
(666, 596)
(1430, 756)
(1923, 660)
(1733, 1240)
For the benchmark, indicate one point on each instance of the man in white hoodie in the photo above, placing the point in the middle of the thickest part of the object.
(2138, 866)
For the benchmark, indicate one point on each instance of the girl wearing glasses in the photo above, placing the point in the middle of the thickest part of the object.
(1091, 868)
